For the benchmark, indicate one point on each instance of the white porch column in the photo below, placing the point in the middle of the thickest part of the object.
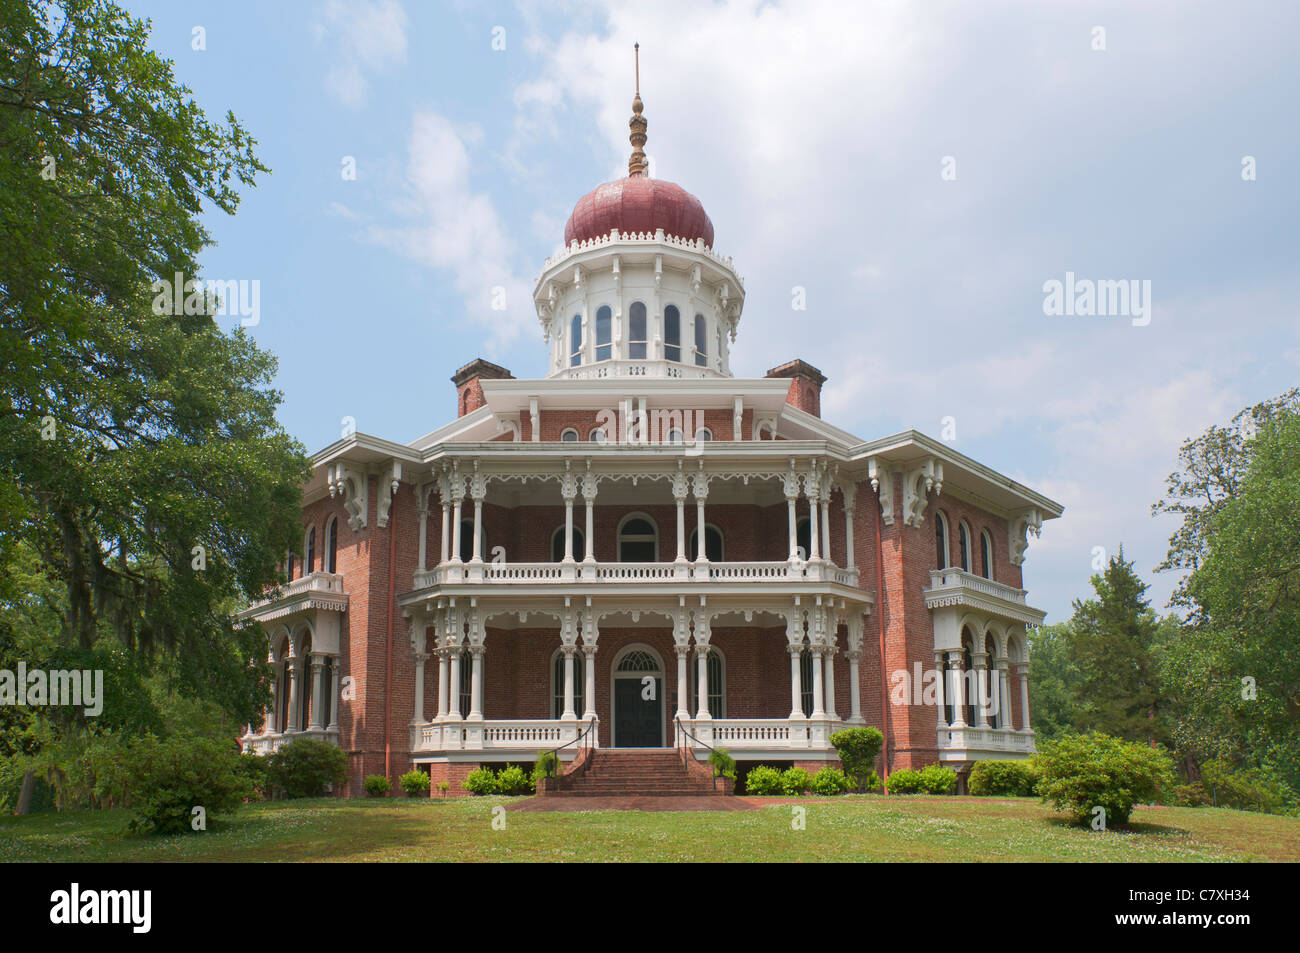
(980, 660)
(826, 519)
(476, 684)
(1004, 695)
(819, 685)
(589, 497)
(1022, 670)
(455, 527)
(850, 492)
(958, 691)
(334, 694)
(796, 682)
(293, 694)
(478, 491)
(422, 499)
(791, 482)
(589, 670)
(679, 496)
(855, 690)
(420, 659)
(700, 483)
(444, 682)
(453, 708)
(940, 690)
(683, 687)
(814, 533)
(830, 682)
(316, 666)
(568, 714)
(446, 532)
(569, 489)
(272, 716)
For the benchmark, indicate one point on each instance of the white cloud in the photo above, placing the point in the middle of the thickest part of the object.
(362, 37)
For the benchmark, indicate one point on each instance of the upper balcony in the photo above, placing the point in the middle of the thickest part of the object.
(533, 574)
(957, 588)
(316, 590)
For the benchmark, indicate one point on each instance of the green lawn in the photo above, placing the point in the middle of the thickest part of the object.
(840, 829)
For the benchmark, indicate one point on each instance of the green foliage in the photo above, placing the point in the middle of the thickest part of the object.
(444, 786)
(1003, 778)
(377, 785)
(795, 781)
(481, 781)
(1054, 681)
(547, 765)
(858, 748)
(932, 779)
(1247, 789)
(307, 767)
(257, 772)
(869, 783)
(830, 781)
(724, 765)
(764, 781)
(169, 778)
(415, 783)
(1082, 772)
(514, 780)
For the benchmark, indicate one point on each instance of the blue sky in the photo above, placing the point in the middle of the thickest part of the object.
(815, 134)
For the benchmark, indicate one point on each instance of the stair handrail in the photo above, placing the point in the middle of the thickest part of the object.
(686, 748)
(554, 763)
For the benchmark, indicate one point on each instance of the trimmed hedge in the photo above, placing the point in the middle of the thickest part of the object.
(377, 785)
(307, 767)
(415, 783)
(1003, 778)
(831, 781)
(932, 779)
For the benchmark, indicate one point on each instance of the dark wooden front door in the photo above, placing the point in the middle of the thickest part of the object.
(637, 720)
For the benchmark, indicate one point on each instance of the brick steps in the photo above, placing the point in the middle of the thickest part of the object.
(641, 772)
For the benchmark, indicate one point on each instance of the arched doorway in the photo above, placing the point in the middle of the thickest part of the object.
(638, 698)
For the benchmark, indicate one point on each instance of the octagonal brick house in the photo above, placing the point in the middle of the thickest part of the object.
(641, 557)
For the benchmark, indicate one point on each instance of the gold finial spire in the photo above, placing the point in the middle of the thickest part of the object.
(637, 165)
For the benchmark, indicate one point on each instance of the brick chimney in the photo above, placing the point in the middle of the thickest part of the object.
(469, 392)
(805, 385)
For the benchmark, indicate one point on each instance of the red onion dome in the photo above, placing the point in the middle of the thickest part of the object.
(639, 204)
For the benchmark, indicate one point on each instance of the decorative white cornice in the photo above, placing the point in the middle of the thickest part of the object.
(882, 481)
(918, 483)
(388, 485)
(350, 484)
(1018, 529)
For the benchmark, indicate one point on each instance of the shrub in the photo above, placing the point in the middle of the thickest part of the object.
(415, 783)
(1084, 772)
(869, 784)
(795, 781)
(257, 772)
(1247, 789)
(514, 780)
(444, 786)
(764, 781)
(307, 767)
(858, 748)
(936, 779)
(377, 785)
(1185, 795)
(830, 781)
(169, 778)
(482, 781)
(1003, 778)
(905, 781)
(724, 765)
(547, 765)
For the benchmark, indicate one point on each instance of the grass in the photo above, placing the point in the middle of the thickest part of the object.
(838, 829)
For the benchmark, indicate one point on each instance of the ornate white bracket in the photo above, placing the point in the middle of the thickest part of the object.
(1019, 527)
(345, 482)
(882, 481)
(737, 414)
(386, 493)
(918, 483)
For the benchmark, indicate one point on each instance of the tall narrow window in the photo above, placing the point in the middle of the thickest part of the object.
(806, 681)
(575, 341)
(311, 550)
(636, 331)
(467, 541)
(941, 541)
(291, 564)
(672, 334)
(986, 554)
(963, 540)
(701, 342)
(332, 546)
(466, 682)
(604, 325)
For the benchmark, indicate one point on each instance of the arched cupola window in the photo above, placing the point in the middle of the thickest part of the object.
(701, 342)
(636, 331)
(672, 334)
(604, 332)
(575, 341)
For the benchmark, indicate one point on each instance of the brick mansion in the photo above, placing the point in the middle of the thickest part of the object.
(641, 550)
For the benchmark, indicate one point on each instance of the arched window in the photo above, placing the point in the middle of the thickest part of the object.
(575, 341)
(704, 433)
(638, 540)
(675, 436)
(557, 684)
(806, 681)
(963, 541)
(636, 331)
(569, 435)
(672, 333)
(712, 544)
(466, 682)
(941, 540)
(604, 330)
(598, 435)
(310, 549)
(803, 536)
(467, 541)
(717, 686)
(557, 545)
(332, 546)
(701, 342)
(986, 554)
